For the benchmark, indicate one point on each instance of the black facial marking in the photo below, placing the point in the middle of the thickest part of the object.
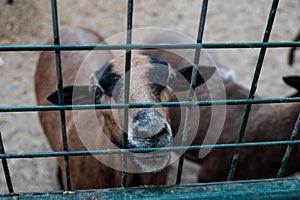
(157, 61)
(107, 78)
(158, 75)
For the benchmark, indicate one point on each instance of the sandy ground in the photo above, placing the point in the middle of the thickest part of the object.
(29, 22)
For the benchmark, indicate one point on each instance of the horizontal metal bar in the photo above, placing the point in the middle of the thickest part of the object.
(285, 188)
(146, 46)
(147, 105)
(144, 150)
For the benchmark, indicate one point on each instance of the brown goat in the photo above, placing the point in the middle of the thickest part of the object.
(266, 123)
(152, 80)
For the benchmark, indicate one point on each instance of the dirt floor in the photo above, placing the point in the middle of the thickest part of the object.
(29, 22)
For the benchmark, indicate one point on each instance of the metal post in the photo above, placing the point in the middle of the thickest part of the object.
(5, 167)
(60, 89)
(289, 148)
(127, 88)
(258, 68)
(192, 86)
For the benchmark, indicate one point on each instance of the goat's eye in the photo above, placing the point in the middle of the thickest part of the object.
(95, 90)
(98, 92)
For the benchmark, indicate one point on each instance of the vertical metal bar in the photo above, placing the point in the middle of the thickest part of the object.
(5, 167)
(127, 89)
(192, 84)
(202, 21)
(60, 89)
(258, 68)
(289, 148)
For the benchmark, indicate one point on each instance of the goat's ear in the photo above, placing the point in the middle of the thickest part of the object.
(293, 81)
(73, 95)
(178, 83)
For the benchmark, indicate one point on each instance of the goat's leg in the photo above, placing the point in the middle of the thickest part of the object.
(59, 179)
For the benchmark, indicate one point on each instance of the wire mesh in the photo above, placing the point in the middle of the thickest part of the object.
(57, 48)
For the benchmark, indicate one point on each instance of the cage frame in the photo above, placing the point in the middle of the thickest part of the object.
(266, 188)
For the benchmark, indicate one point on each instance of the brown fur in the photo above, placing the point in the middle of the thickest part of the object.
(140, 91)
(266, 123)
(86, 171)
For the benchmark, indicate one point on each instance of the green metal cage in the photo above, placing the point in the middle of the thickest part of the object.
(279, 188)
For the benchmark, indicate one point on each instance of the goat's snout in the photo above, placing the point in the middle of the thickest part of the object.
(149, 128)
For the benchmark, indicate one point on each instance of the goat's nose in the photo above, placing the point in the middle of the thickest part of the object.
(151, 129)
(147, 123)
(142, 118)
(158, 139)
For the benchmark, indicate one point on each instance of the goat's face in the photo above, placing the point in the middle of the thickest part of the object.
(151, 80)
